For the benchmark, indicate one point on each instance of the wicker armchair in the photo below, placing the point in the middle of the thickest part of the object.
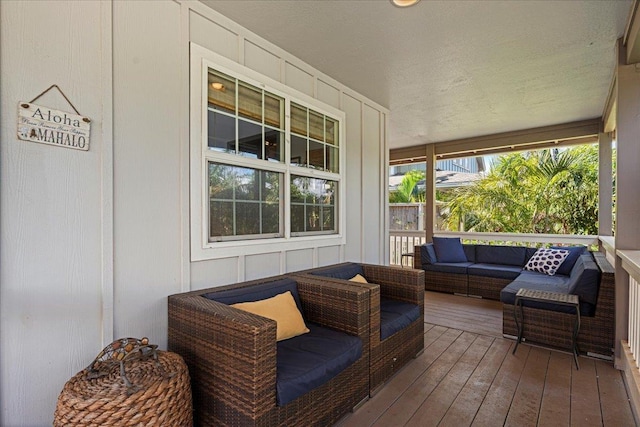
(393, 283)
(231, 355)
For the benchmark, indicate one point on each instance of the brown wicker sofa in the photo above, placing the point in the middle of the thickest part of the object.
(233, 360)
(393, 287)
(552, 328)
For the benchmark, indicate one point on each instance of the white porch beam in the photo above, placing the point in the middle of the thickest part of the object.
(632, 36)
(430, 192)
(605, 185)
(627, 234)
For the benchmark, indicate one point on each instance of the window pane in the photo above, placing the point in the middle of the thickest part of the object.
(249, 139)
(248, 184)
(270, 218)
(331, 131)
(312, 204)
(316, 155)
(298, 189)
(270, 186)
(221, 92)
(331, 189)
(332, 159)
(247, 218)
(297, 218)
(316, 125)
(273, 146)
(220, 219)
(250, 102)
(328, 221)
(298, 119)
(221, 132)
(298, 151)
(313, 218)
(273, 111)
(244, 201)
(222, 181)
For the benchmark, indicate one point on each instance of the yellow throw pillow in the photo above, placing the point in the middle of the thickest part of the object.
(283, 309)
(358, 278)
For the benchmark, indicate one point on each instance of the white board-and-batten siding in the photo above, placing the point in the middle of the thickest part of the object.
(93, 242)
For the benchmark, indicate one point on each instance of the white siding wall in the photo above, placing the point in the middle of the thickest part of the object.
(51, 227)
(93, 242)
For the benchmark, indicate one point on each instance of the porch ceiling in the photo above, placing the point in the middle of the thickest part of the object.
(454, 69)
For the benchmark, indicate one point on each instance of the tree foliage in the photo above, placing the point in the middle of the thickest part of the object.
(547, 191)
(407, 191)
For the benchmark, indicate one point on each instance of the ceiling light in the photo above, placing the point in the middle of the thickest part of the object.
(404, 3)
(217, 86)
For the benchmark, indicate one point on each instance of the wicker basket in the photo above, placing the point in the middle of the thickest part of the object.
(161, 401)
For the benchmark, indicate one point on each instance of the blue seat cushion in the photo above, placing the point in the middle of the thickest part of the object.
(508, 295)
(505, 255)
(449, 249)
(570, 260)
(448, 267)
(256, 292)
(498, 271)
(310, 360)
(342, 271)
(396, 315)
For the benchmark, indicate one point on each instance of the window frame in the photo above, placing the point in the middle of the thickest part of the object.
(201, 60)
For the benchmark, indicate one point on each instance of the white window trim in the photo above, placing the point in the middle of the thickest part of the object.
(201, 249)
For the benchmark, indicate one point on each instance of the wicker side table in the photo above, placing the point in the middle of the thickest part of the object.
(550, 297)
(161, 401)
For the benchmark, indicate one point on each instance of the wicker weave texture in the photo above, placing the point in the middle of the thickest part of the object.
(231, 356)
(597, 333)
(402, 284)
(441, 282)
(162, 400)
(487, 287)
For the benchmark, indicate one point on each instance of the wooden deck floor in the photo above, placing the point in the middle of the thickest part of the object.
(467, 376)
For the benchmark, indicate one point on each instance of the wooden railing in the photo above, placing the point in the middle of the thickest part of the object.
(402, 242)
(631, 263)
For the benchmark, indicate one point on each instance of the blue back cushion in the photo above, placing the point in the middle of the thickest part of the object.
(470, 252)
(570, 260)
(257, 292)
(449, 249)
(343, 271)
(310, 360)
(505, 255)
(428, 254)
(584, 280)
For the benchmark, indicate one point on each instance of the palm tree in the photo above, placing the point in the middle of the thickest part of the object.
(407, 191)
(547, 191)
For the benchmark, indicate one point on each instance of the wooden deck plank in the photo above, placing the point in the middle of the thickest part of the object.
(612, 396)
(525, 406)
(585, 402)
(556, 399)
(500, 383)
(440, 400)
(466, 405)
(495, 406)
(402, 410)
(396, 386)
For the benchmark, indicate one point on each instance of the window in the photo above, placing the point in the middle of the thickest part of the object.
(269, 161)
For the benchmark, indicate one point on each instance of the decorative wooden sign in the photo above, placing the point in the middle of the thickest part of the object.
(54, 127)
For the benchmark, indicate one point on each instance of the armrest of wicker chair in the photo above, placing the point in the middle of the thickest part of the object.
(403, 284)
(231, 354)
(337, 305)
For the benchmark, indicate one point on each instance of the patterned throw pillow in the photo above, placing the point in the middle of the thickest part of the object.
(546, 261)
